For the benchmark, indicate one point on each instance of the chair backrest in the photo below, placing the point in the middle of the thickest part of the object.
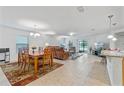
(26, 50)
(47, 53)
(25, 57)
(20, 59)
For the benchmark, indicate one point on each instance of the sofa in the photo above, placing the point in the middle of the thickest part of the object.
(58, 52)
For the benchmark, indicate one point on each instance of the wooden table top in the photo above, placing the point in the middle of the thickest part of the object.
(36, 53)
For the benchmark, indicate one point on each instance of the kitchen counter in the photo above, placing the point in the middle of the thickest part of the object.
(112, 53)
(115, 66)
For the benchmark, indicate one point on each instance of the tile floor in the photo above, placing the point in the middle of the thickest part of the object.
(87, 70)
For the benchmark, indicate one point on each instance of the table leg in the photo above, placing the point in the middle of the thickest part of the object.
(51, 61)
(36, 65)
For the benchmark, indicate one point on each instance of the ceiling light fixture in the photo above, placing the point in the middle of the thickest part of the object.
(110, 36)
(31, 34)
(80, 9)
(46, 44)
(110, 18)
(35, 34)
(114, 39)
(71, 34)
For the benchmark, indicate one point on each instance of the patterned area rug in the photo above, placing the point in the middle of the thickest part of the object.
(18, 78)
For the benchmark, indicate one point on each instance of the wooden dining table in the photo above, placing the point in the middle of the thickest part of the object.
(36, 56)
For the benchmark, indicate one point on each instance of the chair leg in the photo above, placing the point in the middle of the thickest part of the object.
(21, 65)
(43, 67)
(18, 64)
(29, 66)
(51, 61)
(24, 67)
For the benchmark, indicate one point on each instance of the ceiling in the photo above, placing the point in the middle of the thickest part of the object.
(61, 20)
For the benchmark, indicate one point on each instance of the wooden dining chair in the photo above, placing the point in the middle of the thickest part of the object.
(31, 62)
(19, 57)
(47, 58)
(28, 61)
(24, 59)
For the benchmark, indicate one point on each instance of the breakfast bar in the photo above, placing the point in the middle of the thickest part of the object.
(115, 66)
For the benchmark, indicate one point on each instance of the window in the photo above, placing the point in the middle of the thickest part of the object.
(21, 42)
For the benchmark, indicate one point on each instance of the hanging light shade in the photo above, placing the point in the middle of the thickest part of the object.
(110, 36)
(46, 44)
(31, 34)
(35, 34)
(114, 39)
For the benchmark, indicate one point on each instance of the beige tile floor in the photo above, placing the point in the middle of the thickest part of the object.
(87, 70)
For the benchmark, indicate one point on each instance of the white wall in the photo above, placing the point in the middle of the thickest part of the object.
(91, 39)
(8, 40)
(40, 41)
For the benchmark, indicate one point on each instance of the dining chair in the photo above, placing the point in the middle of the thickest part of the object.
(47, 58)
(28, 61)
(20, 56)
(31, 61)
(24, 59)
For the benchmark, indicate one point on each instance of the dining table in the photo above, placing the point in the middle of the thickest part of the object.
(36, 56)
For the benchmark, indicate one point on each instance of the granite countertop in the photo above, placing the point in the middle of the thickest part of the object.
(112, 53)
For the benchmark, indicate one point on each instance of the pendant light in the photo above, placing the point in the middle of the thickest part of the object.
(35, 34)
(110, 36)
(31, 34)
(114, 39)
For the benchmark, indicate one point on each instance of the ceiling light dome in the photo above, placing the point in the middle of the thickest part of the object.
(110, 36)
(31, 34)
(71, 34)
(80, 9)
(114, 39)
(46, 44)
(36, 34)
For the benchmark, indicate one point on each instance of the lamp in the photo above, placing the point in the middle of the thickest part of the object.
(35, 34)
(71, 34)
(110, 36)
(31, 34)
(46, 44)
(114, 39)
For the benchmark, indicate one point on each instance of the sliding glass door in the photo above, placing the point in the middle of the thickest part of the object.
(83, 46)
